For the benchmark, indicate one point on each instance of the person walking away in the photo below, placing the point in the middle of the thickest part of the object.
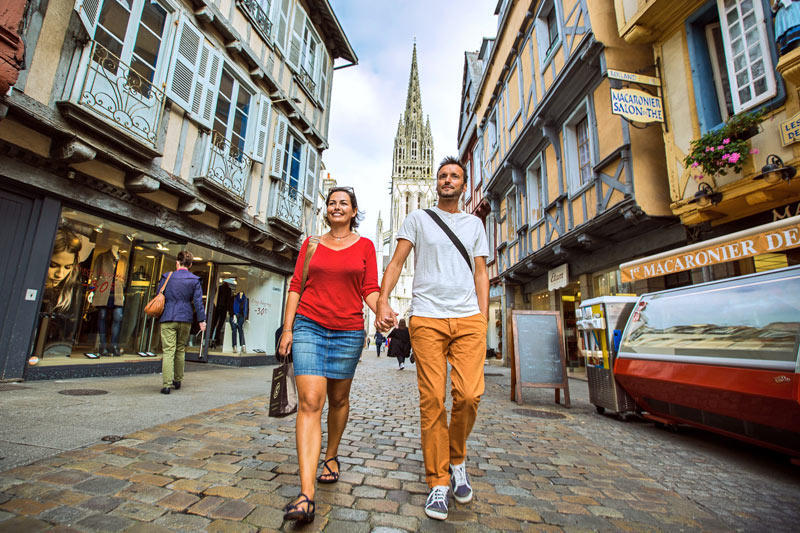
(448, 319)
(323, 329)
(400, 344)
(379, 340)
(183, 292)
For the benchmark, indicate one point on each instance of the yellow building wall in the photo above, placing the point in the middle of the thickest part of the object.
(609, 127)
(43, 65)
(16, 133)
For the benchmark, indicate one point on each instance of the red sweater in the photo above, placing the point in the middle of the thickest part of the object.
(338, 281)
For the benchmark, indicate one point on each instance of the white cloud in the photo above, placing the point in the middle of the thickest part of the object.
(367, 99)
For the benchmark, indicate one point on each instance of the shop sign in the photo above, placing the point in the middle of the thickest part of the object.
(632, 77)
(790, 130)
(773, 237)
(636, 105)
(557, 278)
(787, 211)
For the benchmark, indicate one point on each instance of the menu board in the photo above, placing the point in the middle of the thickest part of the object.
(539, 353)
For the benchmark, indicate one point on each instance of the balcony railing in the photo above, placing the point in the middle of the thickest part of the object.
(286, 205)
(257, 15)
(228, 167)
(307, 80)
(119, 94)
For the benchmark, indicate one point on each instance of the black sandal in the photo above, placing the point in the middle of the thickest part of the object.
(292, 510)
(330, 476)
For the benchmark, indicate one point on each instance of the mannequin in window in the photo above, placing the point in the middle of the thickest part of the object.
(58, 299)
(222, 309)
(787, 24)
(108, 276)
(241, 312)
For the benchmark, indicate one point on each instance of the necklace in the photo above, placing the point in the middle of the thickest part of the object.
(332, 236)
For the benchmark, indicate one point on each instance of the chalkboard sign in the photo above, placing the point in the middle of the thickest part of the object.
(539, 355)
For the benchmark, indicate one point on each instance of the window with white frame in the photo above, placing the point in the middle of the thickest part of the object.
(477, 163)
(232, 114)
(469, 169)
(511, 214)
(548, 31)
(534, 184)
(287, 155)
(280, 28)
(307, 55)
(490, 236)
(732, 62)
(579, 153)
(491, 132)
(131, 33)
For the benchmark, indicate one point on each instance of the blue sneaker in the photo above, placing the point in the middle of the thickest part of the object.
(436, 504)
(459, 481)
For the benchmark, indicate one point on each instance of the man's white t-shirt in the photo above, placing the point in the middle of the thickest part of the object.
(444, 286)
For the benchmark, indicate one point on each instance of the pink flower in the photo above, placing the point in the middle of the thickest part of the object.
(726, 141)
(695, 164)
(720, 147)
(726, 157)
(734, 157)
(754, 151)
(709, 148)
(698, 177)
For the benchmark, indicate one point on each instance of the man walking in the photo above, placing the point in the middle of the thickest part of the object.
(379, 340)
(449, 309)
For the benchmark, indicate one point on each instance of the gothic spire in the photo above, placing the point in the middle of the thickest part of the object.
(413, 99)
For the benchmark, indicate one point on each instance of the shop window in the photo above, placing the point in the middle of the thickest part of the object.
(579, 154)
(548, 31)
(732, 64)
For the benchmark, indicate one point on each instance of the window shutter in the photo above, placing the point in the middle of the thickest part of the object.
(747, 53)
(258, 139)
(89, 12)
(322, 86)
(278, 147)
(296, 42)
(181, 78)
(282, 23)
(209, 72)
(311, 171)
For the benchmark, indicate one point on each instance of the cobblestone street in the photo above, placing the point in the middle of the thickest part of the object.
(534, 467)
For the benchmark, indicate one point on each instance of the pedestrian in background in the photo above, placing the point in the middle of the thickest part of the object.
(323, 329)
(400, 344)
(183, 292)
(449, 312)
(379, 340)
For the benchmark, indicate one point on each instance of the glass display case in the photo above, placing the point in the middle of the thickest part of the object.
(721, 355)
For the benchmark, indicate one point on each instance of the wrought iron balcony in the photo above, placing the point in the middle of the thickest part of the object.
(286, 205)
(306, 79)
(120, 95)
(227, 171)
(257, 15)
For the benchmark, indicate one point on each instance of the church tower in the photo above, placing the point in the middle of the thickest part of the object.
(413, 182)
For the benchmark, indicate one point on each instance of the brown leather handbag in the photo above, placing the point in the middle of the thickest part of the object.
(155, 307)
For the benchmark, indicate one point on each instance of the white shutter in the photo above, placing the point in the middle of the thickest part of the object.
(281, 26)
(278, 146)
(311, 171)
(257, 139)
(322, 86)
(89, 12)
(296, 41)
(747, 53)
(208, 75)
(183, 67)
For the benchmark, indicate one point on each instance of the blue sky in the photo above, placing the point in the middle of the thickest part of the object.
(367, 99)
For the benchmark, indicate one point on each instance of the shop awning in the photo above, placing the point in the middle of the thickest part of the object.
(773, 237)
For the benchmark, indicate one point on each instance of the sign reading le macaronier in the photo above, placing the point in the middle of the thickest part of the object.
(637, 105)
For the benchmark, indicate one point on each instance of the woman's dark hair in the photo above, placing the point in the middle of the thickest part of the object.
(67, 241)
(401, 324)
(185, 258)
(352, 194)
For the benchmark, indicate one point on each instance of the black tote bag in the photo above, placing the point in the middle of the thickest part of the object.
(283, 394)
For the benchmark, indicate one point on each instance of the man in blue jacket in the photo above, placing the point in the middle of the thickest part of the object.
(183, 292)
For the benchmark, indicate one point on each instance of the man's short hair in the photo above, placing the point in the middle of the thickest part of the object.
(185, 258)
(450, 160)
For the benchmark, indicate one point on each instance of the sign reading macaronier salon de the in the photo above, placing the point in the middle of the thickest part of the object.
(774, 237)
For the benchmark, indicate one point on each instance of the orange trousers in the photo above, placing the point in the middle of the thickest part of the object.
(462, 343)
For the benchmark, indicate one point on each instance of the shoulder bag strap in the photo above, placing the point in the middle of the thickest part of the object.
(310, 249)
(452, 236)
(165, 283)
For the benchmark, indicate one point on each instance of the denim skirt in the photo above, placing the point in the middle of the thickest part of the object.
(319, 351)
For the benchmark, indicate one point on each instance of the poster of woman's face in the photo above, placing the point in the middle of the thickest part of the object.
(62, 273)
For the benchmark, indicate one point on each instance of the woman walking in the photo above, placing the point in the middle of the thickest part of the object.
(182, 292)
(400, 343)
(323, 329)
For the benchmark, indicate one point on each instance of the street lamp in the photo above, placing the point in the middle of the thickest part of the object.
(774, 170)
(706, 196)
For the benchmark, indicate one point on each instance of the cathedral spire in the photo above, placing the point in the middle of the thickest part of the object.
(413, 99)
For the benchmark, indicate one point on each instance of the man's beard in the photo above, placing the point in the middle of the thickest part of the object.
(454, 193)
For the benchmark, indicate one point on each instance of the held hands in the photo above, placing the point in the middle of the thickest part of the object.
(285, 344)
(385, 317)
(202, 326)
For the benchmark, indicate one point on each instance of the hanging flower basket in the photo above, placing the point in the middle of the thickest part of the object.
(725, 149)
